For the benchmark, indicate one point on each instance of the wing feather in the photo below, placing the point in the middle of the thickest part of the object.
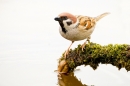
(85, 22)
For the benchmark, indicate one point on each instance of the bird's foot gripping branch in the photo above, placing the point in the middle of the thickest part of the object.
(93, 54)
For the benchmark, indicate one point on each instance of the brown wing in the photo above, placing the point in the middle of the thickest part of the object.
(86, 22)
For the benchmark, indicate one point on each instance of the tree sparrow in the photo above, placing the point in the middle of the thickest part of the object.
(77, 27)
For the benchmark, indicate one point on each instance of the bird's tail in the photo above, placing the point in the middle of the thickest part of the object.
(101, 16)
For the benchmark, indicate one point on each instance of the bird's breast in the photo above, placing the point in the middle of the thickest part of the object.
(76, 34)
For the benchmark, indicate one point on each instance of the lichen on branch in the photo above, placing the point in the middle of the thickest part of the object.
(93, 54)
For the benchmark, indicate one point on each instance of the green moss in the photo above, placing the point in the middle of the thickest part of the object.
(118, 55)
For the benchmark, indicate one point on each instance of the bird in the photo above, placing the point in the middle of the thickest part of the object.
(77, 27)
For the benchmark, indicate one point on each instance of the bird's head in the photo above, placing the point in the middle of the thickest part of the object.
(66, 18)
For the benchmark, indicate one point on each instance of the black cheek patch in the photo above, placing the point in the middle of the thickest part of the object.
(62, 27)
(69, 23)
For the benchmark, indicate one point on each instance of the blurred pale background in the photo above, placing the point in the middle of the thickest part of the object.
(30, 43)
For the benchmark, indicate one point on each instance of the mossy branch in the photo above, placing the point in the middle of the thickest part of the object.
(118, 55)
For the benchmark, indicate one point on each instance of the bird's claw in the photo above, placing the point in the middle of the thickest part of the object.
(83, 46)
(66, 53)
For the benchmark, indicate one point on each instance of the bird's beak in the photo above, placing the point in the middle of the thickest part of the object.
(57, 19)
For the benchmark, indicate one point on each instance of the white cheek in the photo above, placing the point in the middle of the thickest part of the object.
(65, 22)
(68, 20)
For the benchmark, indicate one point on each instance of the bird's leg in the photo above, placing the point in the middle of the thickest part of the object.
(67, 51)
(83, 45)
